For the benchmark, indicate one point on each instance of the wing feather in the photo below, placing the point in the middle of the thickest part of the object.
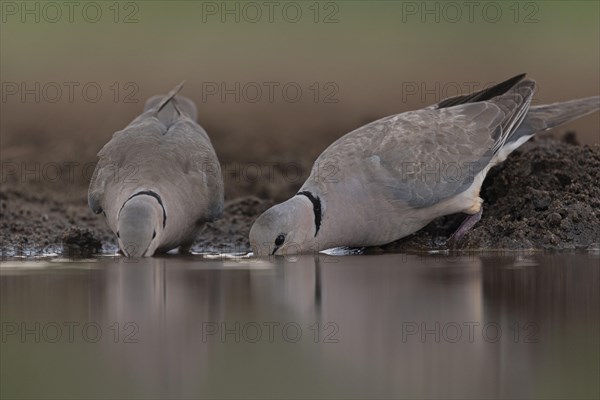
(422, 157)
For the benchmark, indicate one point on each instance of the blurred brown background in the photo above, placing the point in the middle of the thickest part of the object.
(274, 86)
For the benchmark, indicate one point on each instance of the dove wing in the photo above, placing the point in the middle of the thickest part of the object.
(422, 157)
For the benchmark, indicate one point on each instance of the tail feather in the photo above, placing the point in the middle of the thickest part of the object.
(541, 118)
(170, 96)
(168, 108)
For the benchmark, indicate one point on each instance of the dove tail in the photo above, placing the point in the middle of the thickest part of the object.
(560, 113)
(170, 96)
(170, 107)
(541, 118)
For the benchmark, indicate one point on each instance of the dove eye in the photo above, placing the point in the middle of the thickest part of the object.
(279, 240)
(153, 234)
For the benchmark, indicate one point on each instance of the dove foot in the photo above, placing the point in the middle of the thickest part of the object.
(466, 225)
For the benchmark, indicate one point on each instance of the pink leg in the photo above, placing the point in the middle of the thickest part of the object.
(466, 225)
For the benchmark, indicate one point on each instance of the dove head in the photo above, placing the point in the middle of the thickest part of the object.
(140, 225)
(287, 228)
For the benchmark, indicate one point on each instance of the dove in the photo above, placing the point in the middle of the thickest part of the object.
(392, 177)
(158, 180)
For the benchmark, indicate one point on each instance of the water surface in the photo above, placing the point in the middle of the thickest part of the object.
(386, 326)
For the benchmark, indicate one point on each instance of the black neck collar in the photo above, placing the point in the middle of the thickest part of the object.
(316, 202)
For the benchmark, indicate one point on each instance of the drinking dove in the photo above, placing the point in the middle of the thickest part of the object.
(390, 178)
(158, 180)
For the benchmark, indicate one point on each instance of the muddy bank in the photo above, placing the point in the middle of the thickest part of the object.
(545, 196)
(34, 224)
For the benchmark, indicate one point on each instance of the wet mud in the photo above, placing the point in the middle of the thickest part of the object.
(545, 196)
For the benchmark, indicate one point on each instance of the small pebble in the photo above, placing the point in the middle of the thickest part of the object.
(554, 219)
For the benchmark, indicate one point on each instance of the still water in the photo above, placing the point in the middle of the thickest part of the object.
(385, 326)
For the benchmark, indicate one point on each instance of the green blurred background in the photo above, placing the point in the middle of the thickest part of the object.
(372, 58)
